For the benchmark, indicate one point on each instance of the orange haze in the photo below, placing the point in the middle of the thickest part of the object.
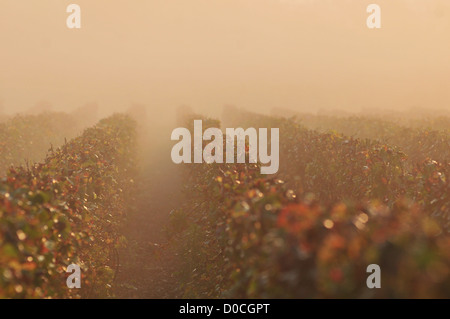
(258, 54)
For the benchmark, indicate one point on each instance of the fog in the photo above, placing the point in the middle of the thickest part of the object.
(259, 54)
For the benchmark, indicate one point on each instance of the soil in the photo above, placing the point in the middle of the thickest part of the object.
(148, 265)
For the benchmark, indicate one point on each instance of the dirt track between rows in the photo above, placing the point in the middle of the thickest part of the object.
(148, 266)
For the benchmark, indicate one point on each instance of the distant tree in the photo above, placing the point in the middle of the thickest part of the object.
(40, 107)
(137, 111)
(88, 113)
(183, 112)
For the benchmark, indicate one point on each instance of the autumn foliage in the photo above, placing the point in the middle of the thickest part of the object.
(67, 210)
(337, 205)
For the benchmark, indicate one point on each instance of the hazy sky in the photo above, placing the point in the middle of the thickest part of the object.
(304, 54)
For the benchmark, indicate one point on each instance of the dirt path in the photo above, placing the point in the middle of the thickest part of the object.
(148, 265)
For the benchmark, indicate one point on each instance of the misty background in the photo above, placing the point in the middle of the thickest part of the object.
(306, 55)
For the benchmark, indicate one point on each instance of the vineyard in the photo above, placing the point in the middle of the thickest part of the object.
(26, 139)
(67, 210)
(338, 204)
(350, 192)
